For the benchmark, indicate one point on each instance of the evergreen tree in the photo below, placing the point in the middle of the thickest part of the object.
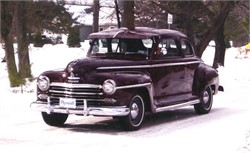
(74, 37)
(19, 18)
(49, 15)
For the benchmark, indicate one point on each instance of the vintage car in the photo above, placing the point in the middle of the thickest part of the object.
(125, 74)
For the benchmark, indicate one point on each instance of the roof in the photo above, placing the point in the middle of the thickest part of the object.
(137, 33)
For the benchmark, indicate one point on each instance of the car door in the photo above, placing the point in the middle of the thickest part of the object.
(168, 73)
(191, 64)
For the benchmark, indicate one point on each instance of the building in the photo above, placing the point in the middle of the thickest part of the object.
(85, 30)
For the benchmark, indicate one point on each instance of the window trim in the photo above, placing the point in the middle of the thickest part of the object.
(190, 46)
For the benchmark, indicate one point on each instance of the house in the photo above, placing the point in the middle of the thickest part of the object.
(85, 30)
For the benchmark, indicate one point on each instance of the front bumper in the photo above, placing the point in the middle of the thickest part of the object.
(81, 110)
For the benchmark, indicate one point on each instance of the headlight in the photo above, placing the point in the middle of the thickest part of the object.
(109, 87)
(43, 83)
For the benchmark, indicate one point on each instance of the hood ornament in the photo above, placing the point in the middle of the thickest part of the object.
(72, 78)
(71, 74)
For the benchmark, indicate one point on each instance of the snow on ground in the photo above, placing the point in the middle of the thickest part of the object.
(235, 74)
(57, 56)
(236, 70)
(48, 57)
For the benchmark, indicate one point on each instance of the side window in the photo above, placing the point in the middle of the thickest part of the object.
(167, 48)
(186, 48)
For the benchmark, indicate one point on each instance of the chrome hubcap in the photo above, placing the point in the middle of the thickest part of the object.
(134, 110)
(205, 97)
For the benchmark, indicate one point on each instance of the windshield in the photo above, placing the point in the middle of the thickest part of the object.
(131, 47)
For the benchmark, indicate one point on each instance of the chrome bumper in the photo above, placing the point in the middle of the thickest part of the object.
(96, 111)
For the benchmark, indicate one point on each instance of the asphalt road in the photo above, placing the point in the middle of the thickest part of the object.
(225, 129)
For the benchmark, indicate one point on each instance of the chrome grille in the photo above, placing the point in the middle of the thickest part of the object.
(89, 92)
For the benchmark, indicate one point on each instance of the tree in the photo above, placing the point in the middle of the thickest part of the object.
(6, 24)
(216, 31)
(14, 18)
(74, 37)
(49, 15)
(204, 20)
(128, 19)
(96, 8)
(22, 41)
(117, 13)
(237, 25)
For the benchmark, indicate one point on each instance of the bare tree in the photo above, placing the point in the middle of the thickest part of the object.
(203, 18)
(6, 24)
(128, 19)
(22, 41)
(96, 8)
(216, 32)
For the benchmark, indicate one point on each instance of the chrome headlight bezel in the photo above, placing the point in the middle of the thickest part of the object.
(109, 87)
(43, 83)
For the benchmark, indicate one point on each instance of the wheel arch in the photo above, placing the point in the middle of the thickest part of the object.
(145, 93)
(204, 76)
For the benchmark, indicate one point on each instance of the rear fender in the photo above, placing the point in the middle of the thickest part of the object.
(204, 76)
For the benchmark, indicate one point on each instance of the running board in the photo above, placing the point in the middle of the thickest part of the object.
(172, 107)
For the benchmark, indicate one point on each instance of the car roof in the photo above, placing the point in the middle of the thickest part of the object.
(137, 33)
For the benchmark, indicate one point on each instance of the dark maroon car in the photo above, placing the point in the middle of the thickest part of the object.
(125, 74)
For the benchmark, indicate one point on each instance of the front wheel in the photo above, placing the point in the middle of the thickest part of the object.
(206, 101)
(135, 117)
(54, 119)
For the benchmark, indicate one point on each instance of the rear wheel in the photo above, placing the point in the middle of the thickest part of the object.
(54, 119)
(206, 101)
(135, 117)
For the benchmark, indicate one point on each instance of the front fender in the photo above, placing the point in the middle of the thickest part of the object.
(55, 75)
(131, 78)
(204, 76)
(124, 78)
(127, 84)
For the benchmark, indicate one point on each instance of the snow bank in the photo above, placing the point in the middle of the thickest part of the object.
(234, 76)
(236, 70)
(48, 57)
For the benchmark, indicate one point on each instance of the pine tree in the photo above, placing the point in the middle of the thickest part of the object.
(74, 37)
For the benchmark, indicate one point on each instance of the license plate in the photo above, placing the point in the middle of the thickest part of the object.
(67, 103)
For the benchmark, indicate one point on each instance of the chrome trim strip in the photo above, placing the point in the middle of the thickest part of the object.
(172, 107)
(70, 85)
(74, 78)
(99, 111)
(147, 66)
(133, 86)
(81, 99)
(75, 93)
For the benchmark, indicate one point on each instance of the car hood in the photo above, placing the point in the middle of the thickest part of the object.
(84, 66)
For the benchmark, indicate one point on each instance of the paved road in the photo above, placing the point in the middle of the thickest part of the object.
(225, 129)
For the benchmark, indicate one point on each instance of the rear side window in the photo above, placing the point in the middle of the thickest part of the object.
(186, 48)
(167, 48)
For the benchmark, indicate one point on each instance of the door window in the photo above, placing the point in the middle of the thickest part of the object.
(167, 48)
(186, 48)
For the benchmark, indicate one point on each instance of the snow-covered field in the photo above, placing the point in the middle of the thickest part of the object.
(46, 58)
(235, 76)
(49, 57)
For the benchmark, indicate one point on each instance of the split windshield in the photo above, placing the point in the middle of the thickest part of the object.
(137, 47)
